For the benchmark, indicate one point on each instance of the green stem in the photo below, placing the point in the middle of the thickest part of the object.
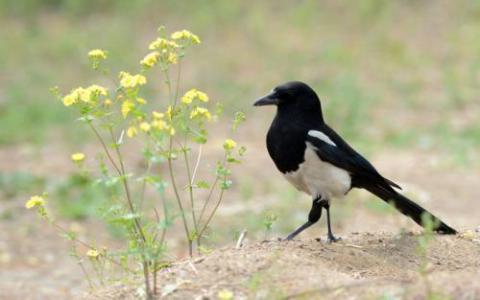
(205, 225)
(105, 148)
(212, 213)
(210, 193)
(190, 189)
(177, 197)
(138, 226)
(170, 164)
(177, 88)
(144, 185)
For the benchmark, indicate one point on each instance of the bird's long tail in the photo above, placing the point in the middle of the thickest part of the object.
(410, 208)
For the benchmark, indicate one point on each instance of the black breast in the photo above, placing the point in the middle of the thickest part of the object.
(286, 144)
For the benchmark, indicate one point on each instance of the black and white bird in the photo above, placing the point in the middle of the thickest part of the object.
(317, 161)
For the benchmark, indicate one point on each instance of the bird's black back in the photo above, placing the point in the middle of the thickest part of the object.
(286, 144)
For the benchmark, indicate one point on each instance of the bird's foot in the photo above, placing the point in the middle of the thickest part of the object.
(332, 239)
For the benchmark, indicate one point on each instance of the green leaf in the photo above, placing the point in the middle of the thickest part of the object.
(70, 235)
(202, 185)
(225, 184)
(232, 159)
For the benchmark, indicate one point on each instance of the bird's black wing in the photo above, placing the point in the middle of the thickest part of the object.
(343, 156)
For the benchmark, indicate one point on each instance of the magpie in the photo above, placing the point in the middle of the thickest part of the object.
(317, 161)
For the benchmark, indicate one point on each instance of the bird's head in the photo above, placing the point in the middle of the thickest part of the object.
(291, 97)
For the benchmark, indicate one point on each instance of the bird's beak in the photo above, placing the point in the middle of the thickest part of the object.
(270, 99)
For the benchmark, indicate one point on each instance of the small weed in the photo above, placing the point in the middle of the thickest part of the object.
(173, 137)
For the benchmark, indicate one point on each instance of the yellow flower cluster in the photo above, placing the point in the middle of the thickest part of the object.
(86, 95)
(200, 113)
(131, 81)
(127, 107)
(166, 51)
(145, 126)
(150, 60)
(97, 54)
(132, 131)
(157, 123)
(229, 144)
(194, 94)
(78, 157)
(163, 44)
(185, 35)
(35, 201)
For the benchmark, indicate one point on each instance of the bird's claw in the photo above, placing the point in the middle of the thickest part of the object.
(333, 239)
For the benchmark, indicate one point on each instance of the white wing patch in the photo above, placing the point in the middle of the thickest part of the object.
(321, 136)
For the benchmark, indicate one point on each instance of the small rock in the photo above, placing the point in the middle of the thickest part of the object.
(468, 235)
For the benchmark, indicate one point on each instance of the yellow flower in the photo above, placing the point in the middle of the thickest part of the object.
(93, 253)
(141, 101)
(35, 201)
(86, 95)
(188, 97)
(131, 81)
(198, 112)
(172, 58)
(194, 94)
(97, 54)
(127, 107)
(202, 96)
(161, 44)
(150, 59)
(107, 102)
(69, 99)
(157, 115)
(145, 127)
(229, 144)
(78, 157)
(169, 112)
(171, 130)
(185, 35)
(75, 95)
(159, 124)
(132, 131)
(97, 90)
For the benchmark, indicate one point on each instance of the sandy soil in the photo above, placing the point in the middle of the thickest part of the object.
(361, 266)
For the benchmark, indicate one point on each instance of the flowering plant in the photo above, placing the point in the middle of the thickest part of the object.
(172, 133)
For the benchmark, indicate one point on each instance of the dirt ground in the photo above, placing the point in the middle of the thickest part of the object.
(361, 266)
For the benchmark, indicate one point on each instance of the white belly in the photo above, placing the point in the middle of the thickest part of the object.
(318, 178)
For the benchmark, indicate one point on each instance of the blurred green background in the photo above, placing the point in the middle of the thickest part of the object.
(411, 66)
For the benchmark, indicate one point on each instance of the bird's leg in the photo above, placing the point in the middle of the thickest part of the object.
(330, 238)
(313, 217)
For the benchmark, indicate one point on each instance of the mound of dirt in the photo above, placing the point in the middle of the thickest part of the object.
(361, 266)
